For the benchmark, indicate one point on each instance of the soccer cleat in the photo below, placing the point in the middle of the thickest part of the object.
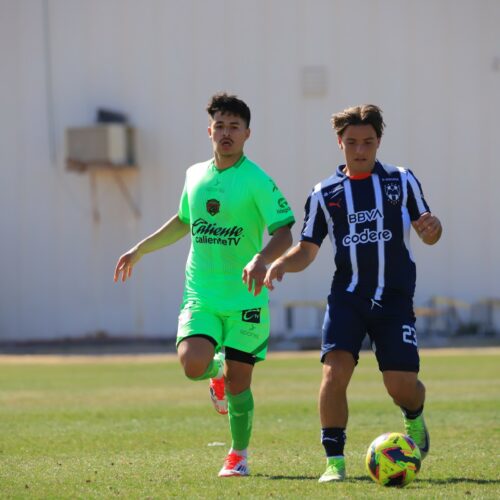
(335, 470)
(234, 465)
(217, 389)
(417, 430)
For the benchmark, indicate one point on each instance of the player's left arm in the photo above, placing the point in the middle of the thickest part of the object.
(255, 271)
(428, 228)
(427, 225)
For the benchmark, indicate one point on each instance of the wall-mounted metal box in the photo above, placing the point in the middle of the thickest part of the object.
(107, 145)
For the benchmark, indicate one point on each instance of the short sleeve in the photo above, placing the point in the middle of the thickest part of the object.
(271, 203)
(184, 212)
(315, 226)
(416, 203)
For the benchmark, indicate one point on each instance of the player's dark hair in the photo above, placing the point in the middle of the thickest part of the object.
(229, 104)
(366, 114)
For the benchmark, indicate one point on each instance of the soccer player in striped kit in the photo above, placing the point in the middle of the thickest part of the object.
(367, 209)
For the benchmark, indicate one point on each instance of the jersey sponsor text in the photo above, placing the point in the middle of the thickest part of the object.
(364, 216)
(212, 234)
(367, 236)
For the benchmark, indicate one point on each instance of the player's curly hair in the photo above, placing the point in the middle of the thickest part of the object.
(230, 104)
(365, 114)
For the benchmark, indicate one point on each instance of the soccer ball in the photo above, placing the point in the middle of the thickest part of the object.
(393, 459)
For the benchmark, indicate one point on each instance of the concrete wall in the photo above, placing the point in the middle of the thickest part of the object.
(432, 65)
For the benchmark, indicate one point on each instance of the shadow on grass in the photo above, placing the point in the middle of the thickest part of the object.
(434, 482)
(458, 480)
(308, 478)
(292, 478)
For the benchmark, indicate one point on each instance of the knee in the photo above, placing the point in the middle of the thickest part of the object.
(194, 365)
(195, 355)
(194, 370)
(335, 379)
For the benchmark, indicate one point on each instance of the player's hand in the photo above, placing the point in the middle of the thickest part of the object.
(275, 272)
(428, 227)
(254, 273)
(125, 264)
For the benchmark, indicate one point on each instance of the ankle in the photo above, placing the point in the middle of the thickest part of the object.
(241, 453)
(412, 414)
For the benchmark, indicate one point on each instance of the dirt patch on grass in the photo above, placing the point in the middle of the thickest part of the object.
(49, 359)
(459, 351)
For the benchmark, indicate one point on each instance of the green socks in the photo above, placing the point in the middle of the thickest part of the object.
(240, 418)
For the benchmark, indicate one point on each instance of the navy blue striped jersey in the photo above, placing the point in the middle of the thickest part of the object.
(368, 221)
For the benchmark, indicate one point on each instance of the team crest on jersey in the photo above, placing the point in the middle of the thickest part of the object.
(393, 192)
(213, 206)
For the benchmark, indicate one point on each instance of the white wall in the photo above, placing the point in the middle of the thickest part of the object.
(432, 65)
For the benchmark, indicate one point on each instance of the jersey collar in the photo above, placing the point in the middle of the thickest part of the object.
(236, 165)
(343, 176)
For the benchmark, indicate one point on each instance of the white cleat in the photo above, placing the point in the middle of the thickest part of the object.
(234, 465)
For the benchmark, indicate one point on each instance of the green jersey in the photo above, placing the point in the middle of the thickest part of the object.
(228, 211)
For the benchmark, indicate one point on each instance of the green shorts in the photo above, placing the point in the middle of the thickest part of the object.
(246, 330)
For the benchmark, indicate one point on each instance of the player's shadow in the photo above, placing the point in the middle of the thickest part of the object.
(280, 477)
(451, 480)
(458, 480)
(306, 478)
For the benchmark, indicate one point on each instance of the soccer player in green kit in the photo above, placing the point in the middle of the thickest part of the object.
(223, 330)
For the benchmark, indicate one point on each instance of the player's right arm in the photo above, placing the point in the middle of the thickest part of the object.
(296, 260)
(172, 231)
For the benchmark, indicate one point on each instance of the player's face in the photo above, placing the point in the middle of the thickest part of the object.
(228, 133)
(359, 144)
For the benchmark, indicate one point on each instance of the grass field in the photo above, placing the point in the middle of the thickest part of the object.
(106, 428)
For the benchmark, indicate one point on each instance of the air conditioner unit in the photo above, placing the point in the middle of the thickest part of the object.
(105, 145)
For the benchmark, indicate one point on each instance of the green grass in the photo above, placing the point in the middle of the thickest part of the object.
(141, 430)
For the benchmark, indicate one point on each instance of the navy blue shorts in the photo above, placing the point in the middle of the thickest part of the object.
(389, 323)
